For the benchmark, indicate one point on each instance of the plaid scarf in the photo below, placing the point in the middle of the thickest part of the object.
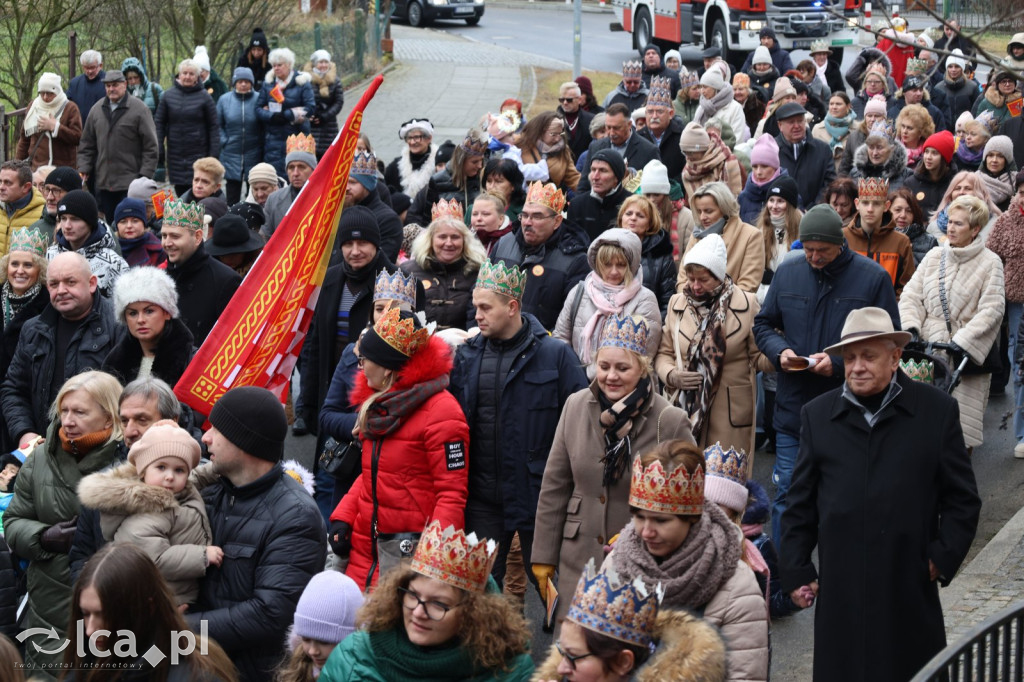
(617, 421)
(387, 412)
(707, 350)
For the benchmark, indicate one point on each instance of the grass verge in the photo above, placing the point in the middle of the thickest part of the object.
(548, 81)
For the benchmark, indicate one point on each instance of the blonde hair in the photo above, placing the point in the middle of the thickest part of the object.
(211, 166)
(36, 258)
(103, 388)
(473, 251)
(607, 254)
(723, 196)
(977, 211)
(654, 223)
(498, 201)
(919, 117)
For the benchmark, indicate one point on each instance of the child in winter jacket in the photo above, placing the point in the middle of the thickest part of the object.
(150, 502)
(10, 465)
(754, 518)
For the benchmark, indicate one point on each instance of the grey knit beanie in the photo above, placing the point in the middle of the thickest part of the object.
(822, 224)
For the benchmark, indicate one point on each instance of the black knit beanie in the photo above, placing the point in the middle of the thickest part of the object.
(358, 222)
(614, 161)
(65, 177)
(252, 418)
(80, 204)
(785, 187)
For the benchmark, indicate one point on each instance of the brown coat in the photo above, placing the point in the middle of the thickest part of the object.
(560, 169)
(576, 514)
(65, 145)
(731, 421)
(744, 249)
(887, 247)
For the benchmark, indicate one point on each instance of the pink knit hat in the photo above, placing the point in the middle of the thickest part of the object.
(875, 105)
(765, 152)
(164, 439)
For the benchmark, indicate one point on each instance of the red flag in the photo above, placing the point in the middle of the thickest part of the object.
(257, 339)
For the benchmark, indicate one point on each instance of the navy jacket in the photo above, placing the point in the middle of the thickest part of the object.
(813, 170)
(541, 379)
(805, 310)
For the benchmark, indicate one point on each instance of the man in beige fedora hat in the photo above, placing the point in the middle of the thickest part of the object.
(883, 486)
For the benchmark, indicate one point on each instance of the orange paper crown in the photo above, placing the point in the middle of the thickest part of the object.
(455, 558)
(877, 188)
(447, 209)
(400, 334)
(546, 195)
(300, 143)
(676, 493)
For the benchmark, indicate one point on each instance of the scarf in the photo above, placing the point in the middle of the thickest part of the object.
(706, 354)
(322, 80)
(779, 223)
(40, 108)
(492, 237)
(1000, 187)
(838, 128)
(941, 218)
(617, 421)
(387, 412)
(143, 250)
(714, 228)
(710, 168)
(752, 557)
(79, 447)
(821, 72)
(549, 149)
(360, 275)
(913, 155)
(695, 572)
(396, 658)
(778, 172)
(709, 107)
(965, 154)
(12, 304)
(609, 299)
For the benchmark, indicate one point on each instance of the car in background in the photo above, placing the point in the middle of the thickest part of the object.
(424, 12)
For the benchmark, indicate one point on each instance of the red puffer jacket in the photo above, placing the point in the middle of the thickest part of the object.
(422, 467)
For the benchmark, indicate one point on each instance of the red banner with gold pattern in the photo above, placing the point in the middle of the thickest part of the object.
(257, 339)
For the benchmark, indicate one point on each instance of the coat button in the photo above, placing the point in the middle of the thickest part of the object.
(600, 538)
(602, 499)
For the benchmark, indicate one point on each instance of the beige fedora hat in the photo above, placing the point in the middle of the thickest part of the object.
(866, 324)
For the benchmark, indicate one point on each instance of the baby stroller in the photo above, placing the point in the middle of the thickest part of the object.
(923, 352)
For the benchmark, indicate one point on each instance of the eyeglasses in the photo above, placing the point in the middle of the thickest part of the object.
(435, 610)
(570, 657)
(566, 100)
(415, 138)
(51, 191)
(535, 217)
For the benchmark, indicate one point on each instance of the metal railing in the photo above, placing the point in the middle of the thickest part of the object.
(10, 129)
(992, 650)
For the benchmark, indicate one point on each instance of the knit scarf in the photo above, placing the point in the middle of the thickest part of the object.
(550, 148)
(492, 237)
(706, 354)
(79, 447)
(396, 658)
(388, 411)
(714, 228)
(609, 299)
(838, 128)
(709, 107)
(12, 304)
(710, 168)
(913, 155)
(941, 219)
(695, 572)
(777, 173)
(1000, 187)
(617, 420)
(40, 108)
(968, 156)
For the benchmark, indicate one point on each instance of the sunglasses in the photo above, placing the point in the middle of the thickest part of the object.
(566, 100)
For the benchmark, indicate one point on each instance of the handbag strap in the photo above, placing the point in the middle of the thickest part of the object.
(942, 294)
(374, 460)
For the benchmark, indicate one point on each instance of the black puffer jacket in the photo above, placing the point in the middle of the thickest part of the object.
(274, 541)
(928, 192)
(959, 96)
(448, 290)
(441, 187)
(660, 270)
(205, 287)
(9, 343)
(920, 241)
(596, 215)
(186, 119)
(11, 590)
(329, 97)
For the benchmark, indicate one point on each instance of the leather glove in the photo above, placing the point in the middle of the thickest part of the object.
(915, 335)
(542, 572)
(340, 538)
(279, 118)
(57, 538)
(687, 381)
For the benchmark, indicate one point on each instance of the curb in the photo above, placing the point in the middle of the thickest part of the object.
(986, 563)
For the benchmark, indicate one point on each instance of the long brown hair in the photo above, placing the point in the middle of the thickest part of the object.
(535, 129)
(135, 597)
(764, 223)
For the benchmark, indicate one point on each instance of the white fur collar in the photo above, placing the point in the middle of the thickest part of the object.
(414, 180)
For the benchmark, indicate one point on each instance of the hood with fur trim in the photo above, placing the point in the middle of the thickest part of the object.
(688, 650)
(301, 474)
(433, 360)
(120, 491)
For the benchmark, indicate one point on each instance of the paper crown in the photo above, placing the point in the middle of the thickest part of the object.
(659, 93)
(916, 67)
(923, 371)
(474, 146)
(402, 335)
(300, 143)
(988, 119)
(689, 79)
(625, 331)
(820, 45)
(546, 195)
(364, 163)
(455, 558)
(447, 208)
(507, 121)
(396, 287)
(631, 183)
(502, 279)
(30, 240)
(676, 493)
(876, 68)
(727, 464)
(632, 69)
(603, 604)
(882, 128)
(877, 188)
(187, 214)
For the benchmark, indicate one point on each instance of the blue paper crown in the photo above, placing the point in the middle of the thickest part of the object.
(396, 287)
(364, 163)
(625, 331)
(726, 463)
(624, 612)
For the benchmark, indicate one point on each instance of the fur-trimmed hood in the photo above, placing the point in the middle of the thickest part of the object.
(869, 55)
(430, 362)
(299, 77)
(120, 491)
(892, 169)
(689, 650)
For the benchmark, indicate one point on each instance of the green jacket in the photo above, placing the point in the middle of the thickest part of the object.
(46, 493)
(391, 657)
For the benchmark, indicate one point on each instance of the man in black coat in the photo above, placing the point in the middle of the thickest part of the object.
(808, 160)
(205, 285)
(577, 121)
(654, 67)
(664, 128)
(598, 210)
(884, 488)
(635, 151)
(273, 537)
(362, 191)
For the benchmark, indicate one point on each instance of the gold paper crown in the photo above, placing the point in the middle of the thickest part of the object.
(625, 331)
(501, 279)
(396, 287)
(916, 67)
(603, 604)
(660, 93)
(876, 68)
(474, 146)
(546, 195)
(187, 214)
(676, 493)
(364, 163)
(402, 335)
(923, 371)
(988, 120)
(447, 209)
(632, 69)
(300, 143)
(726, 463)
(30, 240)
(507, 121)
(882, 128)
(873, 187)
(631, 183)
(820, 45)
(455, 558)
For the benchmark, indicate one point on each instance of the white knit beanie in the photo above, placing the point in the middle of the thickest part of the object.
(712, 78)
(263, 172)
(49, 82)
(710, 253)
(327, 608)
(148, 284)
(1000, 144)
(654, 179)
(319, 55)
(956, 58)
(761, 55)
(201, 58)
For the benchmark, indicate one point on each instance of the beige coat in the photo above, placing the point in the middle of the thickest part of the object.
(744, 249)
(739, 612)
(731, 421)
(974, 290)
(576, 514)
(172, 530)
(560, 170)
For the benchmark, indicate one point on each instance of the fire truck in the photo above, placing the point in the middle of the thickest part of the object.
(733, 25)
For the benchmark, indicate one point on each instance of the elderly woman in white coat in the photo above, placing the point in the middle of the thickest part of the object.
(956, 296)
(717, 105)
(615, 285)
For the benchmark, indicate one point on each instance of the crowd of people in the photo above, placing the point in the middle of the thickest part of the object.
(543, 357)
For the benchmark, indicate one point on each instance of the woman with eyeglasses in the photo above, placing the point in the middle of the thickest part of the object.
(544, 138)
(443, 618)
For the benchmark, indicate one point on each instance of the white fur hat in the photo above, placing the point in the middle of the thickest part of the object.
(201, 58)
(654, 179)
(149, 284)
(710, 253)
